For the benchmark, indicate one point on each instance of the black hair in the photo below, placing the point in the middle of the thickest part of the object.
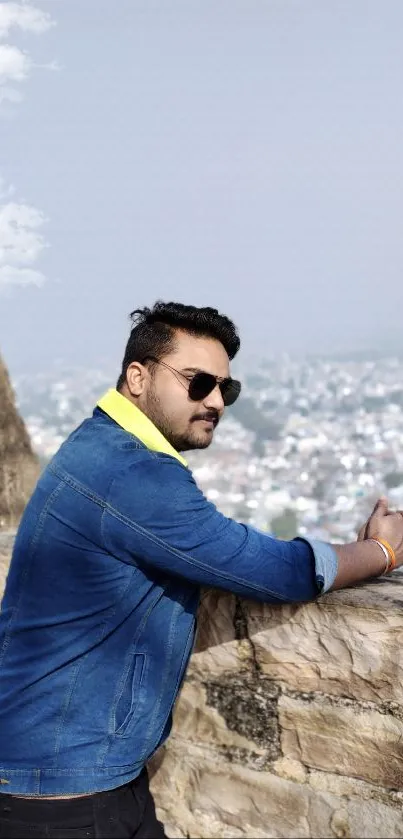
(153, 331)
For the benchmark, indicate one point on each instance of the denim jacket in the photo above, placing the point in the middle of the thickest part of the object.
(98, 617)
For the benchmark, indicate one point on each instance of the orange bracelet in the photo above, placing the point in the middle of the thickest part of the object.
(392, 555)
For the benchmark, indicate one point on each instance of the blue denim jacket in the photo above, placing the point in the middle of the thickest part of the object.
(98, 616)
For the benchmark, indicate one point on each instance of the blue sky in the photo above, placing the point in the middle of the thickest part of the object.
(245, 155)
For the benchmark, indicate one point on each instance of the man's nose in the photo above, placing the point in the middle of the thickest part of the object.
(214, 400)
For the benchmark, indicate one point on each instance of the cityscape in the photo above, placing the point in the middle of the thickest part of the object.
(308, 448)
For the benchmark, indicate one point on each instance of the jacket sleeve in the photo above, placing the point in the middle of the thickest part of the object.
(157, 516)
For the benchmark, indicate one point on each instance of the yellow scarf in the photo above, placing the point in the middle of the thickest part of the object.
(129, 417)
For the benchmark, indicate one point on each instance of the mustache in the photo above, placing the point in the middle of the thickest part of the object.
(210, 416)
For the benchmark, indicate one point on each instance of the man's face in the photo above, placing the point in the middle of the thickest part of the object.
(185, 424)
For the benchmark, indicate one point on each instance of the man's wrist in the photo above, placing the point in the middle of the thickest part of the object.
(358, 561)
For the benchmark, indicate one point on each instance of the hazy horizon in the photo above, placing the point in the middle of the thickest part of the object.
(244, 155)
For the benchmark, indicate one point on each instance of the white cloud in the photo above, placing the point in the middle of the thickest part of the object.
(21, 239)
(23, 16)
(16, 64)
(20, 276)
(21, 244)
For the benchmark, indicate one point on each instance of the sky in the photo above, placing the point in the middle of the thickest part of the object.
(243, 154)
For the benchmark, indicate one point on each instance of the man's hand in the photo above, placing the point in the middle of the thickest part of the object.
(382, 504)
(364, 559)
(386, 525)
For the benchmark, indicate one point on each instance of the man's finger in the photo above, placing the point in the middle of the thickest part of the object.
(381, 508)
(362, 533)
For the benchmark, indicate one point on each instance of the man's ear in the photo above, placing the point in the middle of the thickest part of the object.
(136, 378)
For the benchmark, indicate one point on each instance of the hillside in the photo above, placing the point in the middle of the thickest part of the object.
(19, 467)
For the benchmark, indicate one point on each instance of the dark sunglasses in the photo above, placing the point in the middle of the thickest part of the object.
(201, 384)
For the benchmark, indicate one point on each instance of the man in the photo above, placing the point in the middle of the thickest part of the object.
(98, 616)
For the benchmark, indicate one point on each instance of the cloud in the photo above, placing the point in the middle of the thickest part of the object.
(21, 243)
(21, 239)
(23, 16)
(16, 64)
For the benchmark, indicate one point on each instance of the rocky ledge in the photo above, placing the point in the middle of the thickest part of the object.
(290, 722)
(6, 546)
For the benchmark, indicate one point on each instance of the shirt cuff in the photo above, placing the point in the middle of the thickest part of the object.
(326, 563)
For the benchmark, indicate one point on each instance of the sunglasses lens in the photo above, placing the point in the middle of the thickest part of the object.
(230, 390)
(201, 385)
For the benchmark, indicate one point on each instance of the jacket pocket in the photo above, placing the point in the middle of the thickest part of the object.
(128, 693)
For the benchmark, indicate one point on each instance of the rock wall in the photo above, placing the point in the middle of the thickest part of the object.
(290, 722)
(19, 468)
(6, 547)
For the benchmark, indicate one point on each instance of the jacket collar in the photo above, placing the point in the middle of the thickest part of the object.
(129, 417)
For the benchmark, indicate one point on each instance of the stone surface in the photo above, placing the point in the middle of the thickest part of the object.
(349, 643)
(6, 546)
(343, 737)
(235, 715)
(199, 796)
(19, 467)
(290, 720)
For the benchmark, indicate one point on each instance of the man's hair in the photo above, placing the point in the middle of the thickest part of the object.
(153, 331)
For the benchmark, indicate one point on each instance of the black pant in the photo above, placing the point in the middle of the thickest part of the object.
(127, 812)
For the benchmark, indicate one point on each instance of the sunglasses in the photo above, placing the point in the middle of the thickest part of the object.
(200, 384)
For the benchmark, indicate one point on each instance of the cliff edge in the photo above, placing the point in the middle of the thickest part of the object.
(19, 467)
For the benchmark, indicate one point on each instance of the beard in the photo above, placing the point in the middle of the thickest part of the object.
(181, 442)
